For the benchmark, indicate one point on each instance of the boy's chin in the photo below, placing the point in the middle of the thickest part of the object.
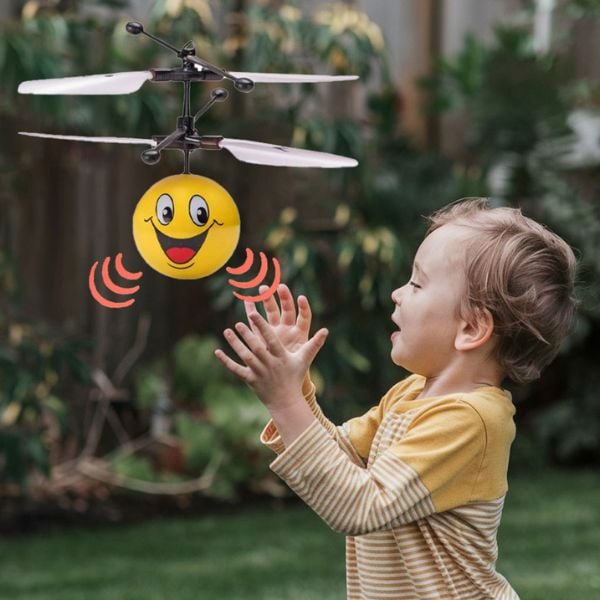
(397, 360)
(403, 362)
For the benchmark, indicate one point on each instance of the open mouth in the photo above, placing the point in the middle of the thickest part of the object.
(180, 251)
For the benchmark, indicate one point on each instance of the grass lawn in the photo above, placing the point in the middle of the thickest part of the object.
(549, 549)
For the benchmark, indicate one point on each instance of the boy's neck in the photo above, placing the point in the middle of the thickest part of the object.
(443, 385)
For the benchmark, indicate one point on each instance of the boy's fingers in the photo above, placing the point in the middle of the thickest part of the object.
(252, 340)
(304, 314)
(288, 309)
(250, 308)
(271, 308)
(238, 370)
(273, 344)
(312, 347)
(240, 348)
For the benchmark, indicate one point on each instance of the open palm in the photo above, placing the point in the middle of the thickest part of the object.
(291, 328)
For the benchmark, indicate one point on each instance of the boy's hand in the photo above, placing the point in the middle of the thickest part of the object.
(291, 331)
(273, 371)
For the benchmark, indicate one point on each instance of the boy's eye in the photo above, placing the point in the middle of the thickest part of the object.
(414, 284)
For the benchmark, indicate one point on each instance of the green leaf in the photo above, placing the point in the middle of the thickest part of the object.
(135, 467)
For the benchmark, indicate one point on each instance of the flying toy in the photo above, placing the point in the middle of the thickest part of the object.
(187, 226)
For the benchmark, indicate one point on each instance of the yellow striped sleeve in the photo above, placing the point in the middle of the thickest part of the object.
(355, 436)
(433, 468)
(351, 499)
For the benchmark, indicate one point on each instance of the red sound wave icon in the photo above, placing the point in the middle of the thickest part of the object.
(111, 285)
(255, 281)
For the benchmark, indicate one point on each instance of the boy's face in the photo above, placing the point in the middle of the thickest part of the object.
(425, 306)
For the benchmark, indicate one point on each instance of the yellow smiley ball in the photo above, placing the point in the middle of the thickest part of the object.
(186, 226)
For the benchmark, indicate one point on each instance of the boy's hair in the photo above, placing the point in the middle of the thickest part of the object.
(524, 274)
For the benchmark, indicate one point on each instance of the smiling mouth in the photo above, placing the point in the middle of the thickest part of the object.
(181, 250)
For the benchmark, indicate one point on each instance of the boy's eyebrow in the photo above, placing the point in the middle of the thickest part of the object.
(418, 268)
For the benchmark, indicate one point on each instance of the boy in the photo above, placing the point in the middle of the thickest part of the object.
(418, 483)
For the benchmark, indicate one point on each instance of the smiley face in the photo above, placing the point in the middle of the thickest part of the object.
(186, 226)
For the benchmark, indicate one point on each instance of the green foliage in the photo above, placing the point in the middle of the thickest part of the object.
(270, 39)
(194, 366)
(568, 431)
(199, 441)
(347, 39)
(235, 411)
(151, 385)
(280, 37)
(584, 8)
(135, 467)
(33, 362)
(486, 80)
(217, 420)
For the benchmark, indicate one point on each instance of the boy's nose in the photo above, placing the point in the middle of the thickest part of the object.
(396, 296)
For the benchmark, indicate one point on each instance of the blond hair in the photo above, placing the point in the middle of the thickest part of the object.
(524, 274)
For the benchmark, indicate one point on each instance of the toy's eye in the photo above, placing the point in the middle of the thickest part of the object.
(199, 210)
(165, 209)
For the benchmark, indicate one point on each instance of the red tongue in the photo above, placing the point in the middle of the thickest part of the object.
(180, 255)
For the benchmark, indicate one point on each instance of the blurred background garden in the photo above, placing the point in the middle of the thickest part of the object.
(130, 465)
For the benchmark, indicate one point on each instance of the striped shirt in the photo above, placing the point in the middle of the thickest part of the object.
(416, 485)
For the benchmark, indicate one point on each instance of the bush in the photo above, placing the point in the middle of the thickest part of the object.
(216, 420)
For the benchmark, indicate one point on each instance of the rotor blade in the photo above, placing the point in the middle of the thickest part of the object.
(110, 83)
(281, 156)
(292, 77)
(79, 138)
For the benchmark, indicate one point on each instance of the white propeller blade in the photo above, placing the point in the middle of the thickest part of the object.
(292, 77)
(251, 152)
(281, 156)
(79, 138)
(285, 77)
(111, 83)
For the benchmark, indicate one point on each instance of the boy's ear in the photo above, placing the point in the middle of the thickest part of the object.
(476, 332)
